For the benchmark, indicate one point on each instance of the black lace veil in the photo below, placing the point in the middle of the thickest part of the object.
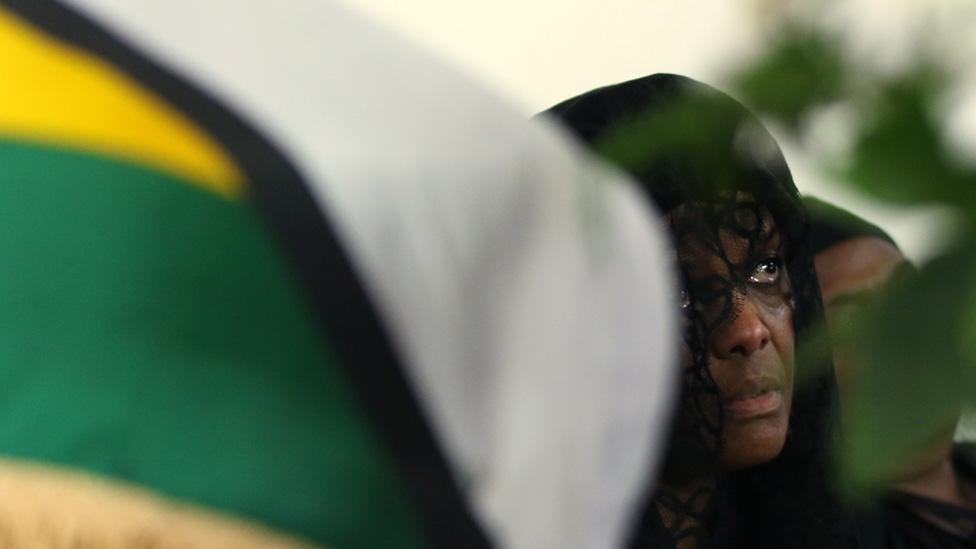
(712, 167)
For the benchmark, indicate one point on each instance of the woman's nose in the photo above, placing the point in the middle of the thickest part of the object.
(746, 334)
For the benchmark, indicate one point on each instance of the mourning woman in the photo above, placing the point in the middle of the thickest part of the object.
(747, 462)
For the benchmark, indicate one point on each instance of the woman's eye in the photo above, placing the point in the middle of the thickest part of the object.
(767, 272)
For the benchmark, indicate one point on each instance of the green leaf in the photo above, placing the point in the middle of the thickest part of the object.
(900, 154)
(911, 370)
(802, 70)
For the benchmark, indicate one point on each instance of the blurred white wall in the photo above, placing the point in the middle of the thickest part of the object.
(538, 52)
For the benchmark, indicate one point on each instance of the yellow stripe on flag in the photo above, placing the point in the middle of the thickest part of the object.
(55, 93)
(48, 506)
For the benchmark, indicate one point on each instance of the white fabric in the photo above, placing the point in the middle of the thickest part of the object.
(523, 284)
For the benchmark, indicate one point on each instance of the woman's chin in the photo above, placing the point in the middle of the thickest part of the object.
(754, 441)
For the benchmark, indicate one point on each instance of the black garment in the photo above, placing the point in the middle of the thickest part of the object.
(701, 156)
(908, 521)
(831, 225)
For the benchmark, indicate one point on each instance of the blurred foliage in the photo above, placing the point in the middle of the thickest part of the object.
(801, 69)
(900, 154)
(912, 350)
(906, 363)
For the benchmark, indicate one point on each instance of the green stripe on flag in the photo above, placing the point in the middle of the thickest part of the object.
(150, 332)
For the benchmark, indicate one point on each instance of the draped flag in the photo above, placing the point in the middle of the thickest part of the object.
(272, 277)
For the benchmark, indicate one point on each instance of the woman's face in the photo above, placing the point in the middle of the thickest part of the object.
(738, 285)
(851, 274)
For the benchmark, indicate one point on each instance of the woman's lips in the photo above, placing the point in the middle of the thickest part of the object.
(754, 406)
